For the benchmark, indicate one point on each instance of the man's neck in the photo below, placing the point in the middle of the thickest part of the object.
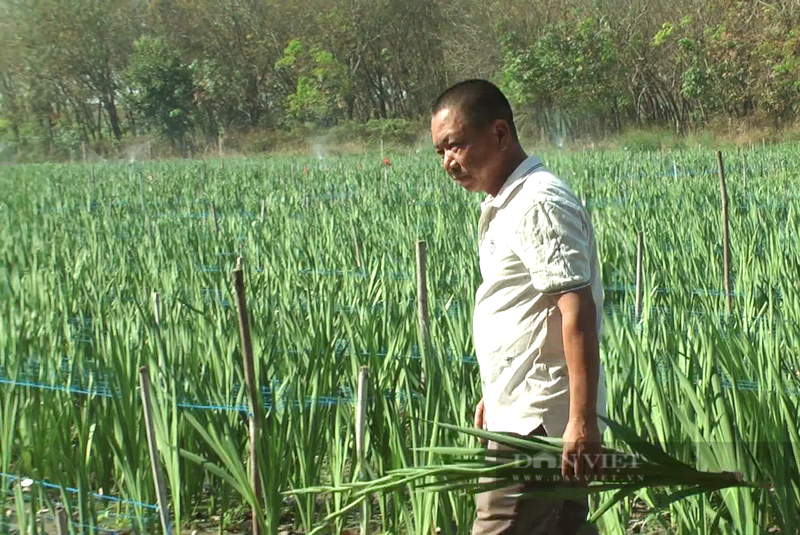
(514, 161)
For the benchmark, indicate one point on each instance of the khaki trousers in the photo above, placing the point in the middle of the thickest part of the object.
(501, 513)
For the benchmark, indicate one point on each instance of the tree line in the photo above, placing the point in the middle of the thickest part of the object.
(193, 72)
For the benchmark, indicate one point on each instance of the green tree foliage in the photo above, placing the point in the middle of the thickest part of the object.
(65, 59)
(323, 87)
(571, 67)
(162, 89)
(780, 83)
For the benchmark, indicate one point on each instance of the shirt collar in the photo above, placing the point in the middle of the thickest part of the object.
(515, 179)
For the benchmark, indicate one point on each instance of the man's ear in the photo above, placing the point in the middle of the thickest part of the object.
(503, 134)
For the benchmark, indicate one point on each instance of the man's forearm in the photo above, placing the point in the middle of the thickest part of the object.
(579, 333)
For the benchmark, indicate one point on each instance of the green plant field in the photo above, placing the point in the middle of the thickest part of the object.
(328, 250)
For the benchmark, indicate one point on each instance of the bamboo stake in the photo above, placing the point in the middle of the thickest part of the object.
(725, 237)
(252, 390)
(422, 291)
(62, 527)
(157, 312)
(161, 494)
(32, 527)
(639, 257)
(422, 304)
(361, 428)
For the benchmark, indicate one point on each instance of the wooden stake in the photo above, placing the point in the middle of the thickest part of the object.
(34, 511)
(361, 429)
(62, 526)
(252, 390)
(422, 297)
(161, 494)
(361, 414)
(157, 313)
(725, 238)
(639, 257)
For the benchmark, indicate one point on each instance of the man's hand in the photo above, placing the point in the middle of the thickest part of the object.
(479, 410)
(479, 420)
(580, 458)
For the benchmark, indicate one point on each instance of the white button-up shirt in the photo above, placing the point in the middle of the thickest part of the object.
(535, 238)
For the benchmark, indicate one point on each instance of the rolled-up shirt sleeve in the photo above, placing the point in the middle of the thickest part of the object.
(553, 242)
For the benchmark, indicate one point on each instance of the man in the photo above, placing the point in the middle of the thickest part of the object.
(538, 312)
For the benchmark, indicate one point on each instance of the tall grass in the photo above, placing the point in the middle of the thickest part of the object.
(79, 265)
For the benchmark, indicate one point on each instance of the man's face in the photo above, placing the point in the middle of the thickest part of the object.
(472, 158)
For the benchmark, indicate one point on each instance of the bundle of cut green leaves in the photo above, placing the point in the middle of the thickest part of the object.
(537, 460)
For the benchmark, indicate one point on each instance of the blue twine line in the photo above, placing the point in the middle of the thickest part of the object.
(281, 404)
(235, 408)
(106, 497)
(147, 518)
(102, 390)
(330, 401)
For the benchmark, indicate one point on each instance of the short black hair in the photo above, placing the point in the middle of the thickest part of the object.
(479, 101)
